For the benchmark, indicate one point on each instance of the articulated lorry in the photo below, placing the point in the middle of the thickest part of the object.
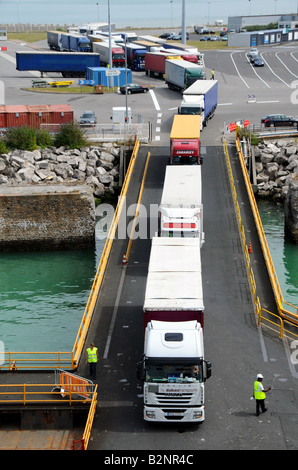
(135, 56)
(174, 289)
(117, 54)
(200, 98)
(185, 140)
(181, 208)
(155, 63)
(67, 42)
(174, 370)
(180, 74)
(69, 64)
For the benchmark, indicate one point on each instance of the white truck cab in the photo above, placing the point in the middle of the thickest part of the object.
(174, 370)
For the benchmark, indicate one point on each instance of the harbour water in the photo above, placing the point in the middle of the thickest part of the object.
(43, 297)
(284, 252)
(132, 13)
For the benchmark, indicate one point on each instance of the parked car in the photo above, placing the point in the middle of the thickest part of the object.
(215, 38)
(88, 118)
(166, 35)
(186, 33)
(252, 54)
(258, 62)
(223, 33)
(278, 120)
(224, 38)
(133, 88)
(175, 37)
(205, 38)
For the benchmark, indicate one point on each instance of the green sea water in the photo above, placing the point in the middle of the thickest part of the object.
(284, 252)
(43, 297)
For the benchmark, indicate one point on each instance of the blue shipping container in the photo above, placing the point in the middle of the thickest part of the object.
(98, 74)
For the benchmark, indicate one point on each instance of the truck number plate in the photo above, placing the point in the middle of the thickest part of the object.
(173, 413)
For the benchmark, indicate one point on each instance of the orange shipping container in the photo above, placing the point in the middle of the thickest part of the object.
(17, 116)
(61, 113)
(2, 116)
(38, 114)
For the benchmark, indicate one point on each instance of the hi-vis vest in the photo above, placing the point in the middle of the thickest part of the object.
(259, 394)
(92, 354)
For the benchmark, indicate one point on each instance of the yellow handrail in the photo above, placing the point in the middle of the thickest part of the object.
(267, 255)
(83, 329)
(258, 308)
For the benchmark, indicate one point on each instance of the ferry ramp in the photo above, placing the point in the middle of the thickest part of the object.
(231, 333)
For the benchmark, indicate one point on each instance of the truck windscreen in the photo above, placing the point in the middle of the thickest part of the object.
(174, 373)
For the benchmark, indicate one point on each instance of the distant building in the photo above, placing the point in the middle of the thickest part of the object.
(238, 23)
(287, 30)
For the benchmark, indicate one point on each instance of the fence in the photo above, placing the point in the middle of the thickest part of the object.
(111, 132)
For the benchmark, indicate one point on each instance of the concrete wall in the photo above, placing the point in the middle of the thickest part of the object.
(45, 217)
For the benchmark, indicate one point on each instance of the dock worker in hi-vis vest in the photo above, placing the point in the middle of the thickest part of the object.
(259, 394)
(92, 358)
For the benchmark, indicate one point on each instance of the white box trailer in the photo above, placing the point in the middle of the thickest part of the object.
(181, 208)
(174, 290)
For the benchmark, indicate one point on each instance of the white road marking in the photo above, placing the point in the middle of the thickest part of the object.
(231, 55)
(154, 99)
(274, 72)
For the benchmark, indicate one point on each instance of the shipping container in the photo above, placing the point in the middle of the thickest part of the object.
(38, 114)
(2, 116)
(61, 113)
(98, 75)
(17, 116)
(34, 115)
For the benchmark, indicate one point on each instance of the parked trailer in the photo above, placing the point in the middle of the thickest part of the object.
(75, 43)
(69, 64)
(155, 63)
(181, 208)
(54, 40)
(117, 54)
(174, 289)
(135, 56)
(185, 140)
(200, 98)
(180, 74)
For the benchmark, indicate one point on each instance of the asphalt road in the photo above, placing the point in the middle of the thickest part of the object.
(236, 348)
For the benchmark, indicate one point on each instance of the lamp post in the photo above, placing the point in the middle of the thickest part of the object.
(97, 4)
(110, 45)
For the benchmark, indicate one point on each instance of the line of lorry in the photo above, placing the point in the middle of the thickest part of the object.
(173, 367)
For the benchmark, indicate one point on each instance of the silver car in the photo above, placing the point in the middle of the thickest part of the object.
(88, 118)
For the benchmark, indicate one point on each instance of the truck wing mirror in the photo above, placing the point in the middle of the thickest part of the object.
(141, 371)
(208, 368)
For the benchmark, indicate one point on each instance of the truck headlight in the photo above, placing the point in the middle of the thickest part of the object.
(150, 414)
(198, 414)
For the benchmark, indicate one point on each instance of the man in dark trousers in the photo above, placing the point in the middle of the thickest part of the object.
(259, 394)
(91, 359)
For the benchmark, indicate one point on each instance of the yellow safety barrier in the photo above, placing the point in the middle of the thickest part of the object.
(26, 394)
(280, 320)
(16, 360)
(283, 311)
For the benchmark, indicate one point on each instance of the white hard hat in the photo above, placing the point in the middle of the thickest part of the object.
(259, 376)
